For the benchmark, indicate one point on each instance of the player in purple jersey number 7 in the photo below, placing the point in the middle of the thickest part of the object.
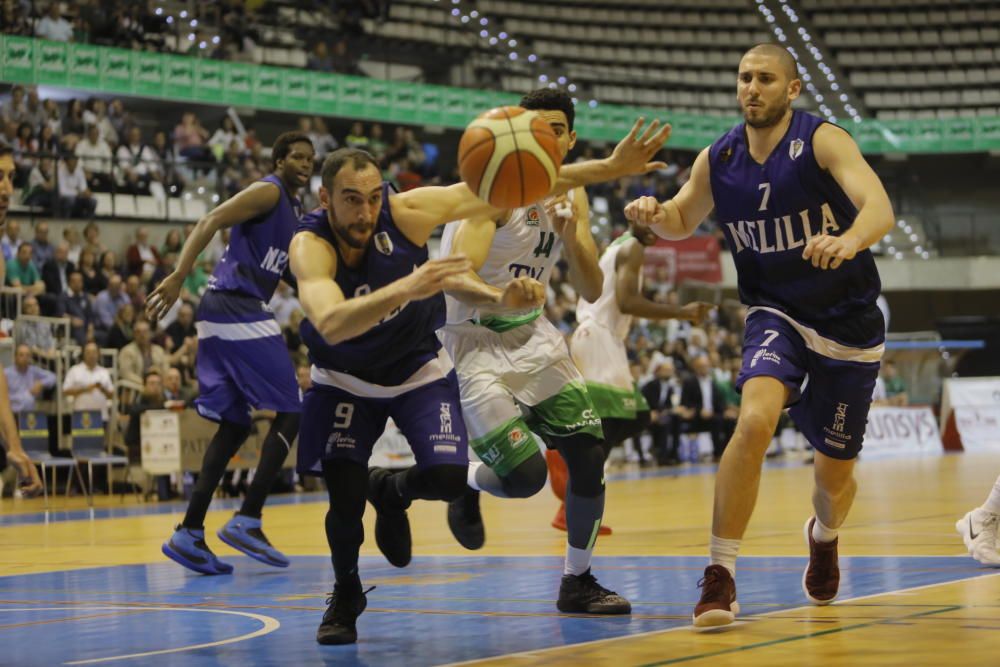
(800, 207)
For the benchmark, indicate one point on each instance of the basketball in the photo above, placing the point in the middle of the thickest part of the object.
(509, 157)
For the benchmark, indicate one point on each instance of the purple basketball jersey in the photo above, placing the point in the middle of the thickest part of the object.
(257, 255)
(405, 340)
(770, 211)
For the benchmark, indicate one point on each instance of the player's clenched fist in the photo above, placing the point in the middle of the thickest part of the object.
(523, 293)
(646, 211)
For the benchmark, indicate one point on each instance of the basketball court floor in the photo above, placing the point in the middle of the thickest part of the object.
(82, 587)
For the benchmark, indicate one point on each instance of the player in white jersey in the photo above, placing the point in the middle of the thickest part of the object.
(978, 529)
(513, 362)
(598, 347)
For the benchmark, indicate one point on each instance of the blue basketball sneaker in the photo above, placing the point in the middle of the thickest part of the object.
(187, 547)
(243, 533)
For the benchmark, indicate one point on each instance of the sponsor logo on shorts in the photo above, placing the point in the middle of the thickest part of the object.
(338, 440)
(445, 449)
(835, 444)
(629, 403)
(445, 418)
(587, 418)
(840, 417)
(383, 243)
(765, 355)
(837, 430)
(491, 456)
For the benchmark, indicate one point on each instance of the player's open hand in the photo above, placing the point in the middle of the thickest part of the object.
(632, 155)
(646, 211)
(829, 252)
(164, 296)
(434, 276)
(696, 312)
(522, 294)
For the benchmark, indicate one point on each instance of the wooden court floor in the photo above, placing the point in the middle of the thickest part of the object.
(91, 587)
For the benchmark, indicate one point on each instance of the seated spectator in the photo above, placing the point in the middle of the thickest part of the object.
(53, 26)
(109, 301)
(94, 281)
(175, 392)
(141, 355)
(55, 275)
(71, 235)
(151, 398)
(87, 384)
(75, 304)
(95, 158)
(35, 334)
(42, 190)
(357, 138)
(283, 303)
(663, 393)
(162, 168)
(704, 405)
(26, 381)
(135, 164)
(53, 116)
(136, 293)
(319, 58)
(75, 198)
(322, 140)
(41, 250)
(890, 389)
(48, 141)
(25, 150)
(73, 125)
(182, 328)
(190, 138)
(10, 239)
(166, 266)
(109, 265)
(121, 332)
(96, 113)
(172, 242)
(224, 137)
(34, 112)
(407, 177)
(141, 258)
(23, 273)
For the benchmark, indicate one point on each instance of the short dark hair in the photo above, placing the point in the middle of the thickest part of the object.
(551, 99)
(24, 244)
(5, 149)
(336, 161)
(784, 56)
(283, 144)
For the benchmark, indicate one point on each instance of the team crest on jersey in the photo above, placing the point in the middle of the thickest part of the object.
(795, 148)
(383, 243)
(533, 218)
(516, 437)
(726, 154)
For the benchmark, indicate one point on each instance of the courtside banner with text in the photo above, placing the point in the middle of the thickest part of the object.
(902, 429)
(970, 412)
(673, 262)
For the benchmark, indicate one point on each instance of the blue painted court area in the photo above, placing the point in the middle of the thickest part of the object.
(438, 610)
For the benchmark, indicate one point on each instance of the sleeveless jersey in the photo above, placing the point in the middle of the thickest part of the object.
(606, 311)
(257, 255)
(769, 212)
(405, 340)
(527, 245)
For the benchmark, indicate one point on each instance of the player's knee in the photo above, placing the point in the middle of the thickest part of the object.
(448, 481)
(526, 479)
(755, 428)
(287, 424)
(585, 460)
(235, 432)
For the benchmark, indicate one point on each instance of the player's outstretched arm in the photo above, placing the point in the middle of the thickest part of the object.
(314, 263)
(572, 222)
(633, 155)
(677, 218)
(418, 211)
(257, 199)
(836, 152)
(473, 239)
(628, 268)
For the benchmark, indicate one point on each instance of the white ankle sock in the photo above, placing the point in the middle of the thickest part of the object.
(992, 503)
(821, 533)
(723, 552)
(577, 560)
(473, 467)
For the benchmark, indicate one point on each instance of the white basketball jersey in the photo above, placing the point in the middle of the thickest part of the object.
(606, 310)
(527, 245)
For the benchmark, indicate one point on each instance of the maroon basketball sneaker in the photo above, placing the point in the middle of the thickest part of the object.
(718, 605)
(821, 580)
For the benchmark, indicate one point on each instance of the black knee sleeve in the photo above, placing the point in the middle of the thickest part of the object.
(347, 485)
(526, 479)
(440, 482)
(584, 458)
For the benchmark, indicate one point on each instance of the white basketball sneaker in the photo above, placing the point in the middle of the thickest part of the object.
(978, 529)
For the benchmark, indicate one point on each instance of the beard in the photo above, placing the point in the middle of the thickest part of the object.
(767, 117)
(343, 232)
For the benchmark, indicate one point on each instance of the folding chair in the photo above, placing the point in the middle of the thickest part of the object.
(34, 432)
(89, 447)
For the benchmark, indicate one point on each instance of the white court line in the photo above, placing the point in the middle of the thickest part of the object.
(269, 626)
(691, 628)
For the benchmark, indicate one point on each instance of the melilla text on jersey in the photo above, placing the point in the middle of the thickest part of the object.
(783, 233)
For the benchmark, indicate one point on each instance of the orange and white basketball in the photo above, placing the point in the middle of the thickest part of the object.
(509, 157)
